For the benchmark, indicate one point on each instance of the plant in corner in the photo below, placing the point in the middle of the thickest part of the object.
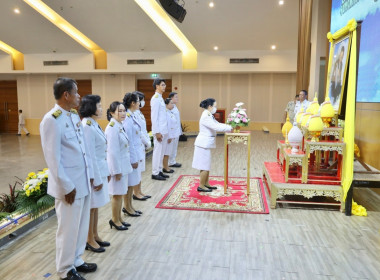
(8, 202)
(33, 198)
(183, 137)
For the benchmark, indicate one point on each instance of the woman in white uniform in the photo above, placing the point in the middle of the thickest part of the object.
(118, 159)
(145, 139)
(172, 128)
(91, 110)
(132, 127)
(205, 141)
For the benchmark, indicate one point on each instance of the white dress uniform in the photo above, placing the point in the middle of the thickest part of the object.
(159, 125)
(67, 158)
(173, 155)
(133, 129)
(21, 124)
(205, 140)
(172, 128)
(118, 157)
(144, 136)
(97, 145)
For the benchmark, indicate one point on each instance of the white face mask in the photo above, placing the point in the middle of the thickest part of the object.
(142, 103)
(213, 111)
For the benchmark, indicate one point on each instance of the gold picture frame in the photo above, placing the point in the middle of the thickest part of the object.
(337, 70)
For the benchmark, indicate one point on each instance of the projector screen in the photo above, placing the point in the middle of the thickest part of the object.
(368, 11)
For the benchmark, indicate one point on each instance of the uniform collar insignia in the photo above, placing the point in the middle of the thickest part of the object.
(74, 111)
(112, 123)
(79, 123)
(88, 122)
(57, 113)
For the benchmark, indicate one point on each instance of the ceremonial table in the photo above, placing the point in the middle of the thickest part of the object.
(241, 137)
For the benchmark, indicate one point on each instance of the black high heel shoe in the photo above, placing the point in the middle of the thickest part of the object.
(138, 212)
(138, 198)
(130, 214)
(112, 224)
(103, 243)
(125, 224)
(96, 250)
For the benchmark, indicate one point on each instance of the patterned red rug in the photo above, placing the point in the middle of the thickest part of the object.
(183, 195)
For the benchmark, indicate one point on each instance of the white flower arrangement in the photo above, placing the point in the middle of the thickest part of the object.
(36, 184)
(238, 116)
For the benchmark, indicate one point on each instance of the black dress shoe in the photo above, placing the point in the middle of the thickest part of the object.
(203, 190)
(73, 275)
(176, 165)
(168, 171)
(147, 196)
(130, 214)
(126, 224)
(96, 250)
(158, 177)
(87, 267)
(122, 227)
(163, 175)
(138, 198)
(211, 187)
(103, 243)
(138, 212)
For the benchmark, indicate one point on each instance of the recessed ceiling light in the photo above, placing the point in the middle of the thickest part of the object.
(211, 4)
(281, 2)
(216, 48)
(273, 47)
(16, 10)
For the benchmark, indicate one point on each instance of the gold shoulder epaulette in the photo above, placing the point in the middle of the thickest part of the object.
(112, 123)
(74, 111)
(209, 114)
(57, 113)
(156, 95)
(128, 115)
(88, 122)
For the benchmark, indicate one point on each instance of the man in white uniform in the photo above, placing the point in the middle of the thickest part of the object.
(303, 102)
(159, 129)
(21, 124)
(172, 158)
(69, 178)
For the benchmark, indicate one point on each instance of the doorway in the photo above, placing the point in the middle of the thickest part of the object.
(146, 87)
(8, 107)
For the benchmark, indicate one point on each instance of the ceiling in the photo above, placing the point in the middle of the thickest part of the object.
(122, 26)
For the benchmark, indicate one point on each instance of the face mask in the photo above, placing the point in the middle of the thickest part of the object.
(213, 111)
(142, 103)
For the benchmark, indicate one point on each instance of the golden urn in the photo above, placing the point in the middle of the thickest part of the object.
(313, 107)
(315, 127)
(286, 127)
(305, 118)
(327, 112)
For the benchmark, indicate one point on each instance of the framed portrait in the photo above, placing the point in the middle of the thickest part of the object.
(336, 77)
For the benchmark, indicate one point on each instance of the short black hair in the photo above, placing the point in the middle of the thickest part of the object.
(112, 109)
(61, 85)
(297, 95)
(171, 95)
(139, 94)
(87, 106)
(167, 100)
(207, 102)
(157, 82)
(129, 98)
(20, 111)
(304, 91)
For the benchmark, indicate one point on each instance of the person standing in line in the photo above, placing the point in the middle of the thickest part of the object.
(132, 103)
(70, 178)
(205, 141)
(303, 102)
(118, 159)
(21, 124)
(172, 127)
(159, 129)
(178, 132)
(139, 116)
(91, 110)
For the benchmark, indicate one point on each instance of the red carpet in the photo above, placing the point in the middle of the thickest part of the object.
(183, 195)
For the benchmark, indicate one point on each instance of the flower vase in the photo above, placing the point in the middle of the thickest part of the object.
(237, 129)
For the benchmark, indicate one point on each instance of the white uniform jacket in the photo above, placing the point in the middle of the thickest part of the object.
(21, 119)
(133, 129)
(208, 127)
(66, 153)
(158, 114)
(305, 104)
(118, 157)
(97, 145)
(176, 113)
(144, 133)
(172, 124)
